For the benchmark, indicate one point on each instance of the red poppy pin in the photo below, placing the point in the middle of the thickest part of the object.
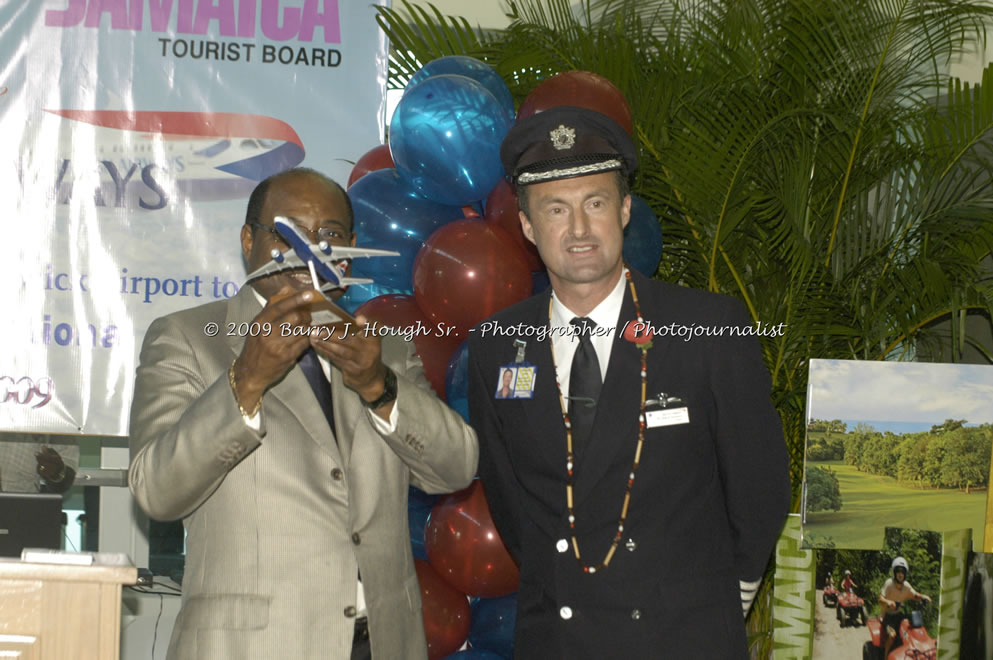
(640, 334)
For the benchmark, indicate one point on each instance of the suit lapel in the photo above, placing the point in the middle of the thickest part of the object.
(293, 392)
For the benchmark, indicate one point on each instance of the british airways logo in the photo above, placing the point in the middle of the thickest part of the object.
(226, 18)
(147, 158)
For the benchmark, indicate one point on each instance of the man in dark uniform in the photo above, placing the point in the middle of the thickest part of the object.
(643, 484)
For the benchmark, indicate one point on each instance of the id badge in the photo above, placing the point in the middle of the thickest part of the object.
(516, 381)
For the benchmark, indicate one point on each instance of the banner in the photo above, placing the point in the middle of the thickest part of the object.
(793, 595)
(132, 132)
(954, 565)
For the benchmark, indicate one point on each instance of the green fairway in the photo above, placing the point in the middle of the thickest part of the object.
(870, 503)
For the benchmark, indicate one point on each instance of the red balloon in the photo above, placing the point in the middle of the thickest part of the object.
(501, 211)
(464, 547)
(466, 271)
(446, 612)
(377, 158)
(401, 312)
(470, 212)
(580, 88)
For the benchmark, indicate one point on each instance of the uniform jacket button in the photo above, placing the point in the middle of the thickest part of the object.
(350, 611)
(356, 539)
(565, 612)
(337, 474)
(635, 614)
(562, 545)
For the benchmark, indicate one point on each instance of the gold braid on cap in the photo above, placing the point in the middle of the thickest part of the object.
(565, 173)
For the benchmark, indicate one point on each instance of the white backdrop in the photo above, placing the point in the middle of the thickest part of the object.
(131, 134)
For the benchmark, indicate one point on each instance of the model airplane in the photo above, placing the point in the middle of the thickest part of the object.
(326, 262)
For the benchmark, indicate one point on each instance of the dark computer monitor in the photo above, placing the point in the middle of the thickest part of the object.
(29, 520)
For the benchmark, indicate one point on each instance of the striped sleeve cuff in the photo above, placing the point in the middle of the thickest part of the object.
(748, 591)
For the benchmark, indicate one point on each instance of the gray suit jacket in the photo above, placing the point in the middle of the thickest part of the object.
(279, 523)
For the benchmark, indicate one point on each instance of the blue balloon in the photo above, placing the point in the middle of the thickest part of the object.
(418, 518)
(391, 215)
(643, 238)
(469, 67)
(445, 139)
(493, 625)
(418, 498)
(419, 505)
(457, 381)
(540, 281)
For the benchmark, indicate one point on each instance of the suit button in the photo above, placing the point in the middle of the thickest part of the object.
(635, 614)
(565, 612)
(356, 539)
(630, 545)
(562, 545)
(350, 611)
(337, 474)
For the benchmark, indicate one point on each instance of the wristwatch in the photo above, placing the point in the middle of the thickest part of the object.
(389, 392)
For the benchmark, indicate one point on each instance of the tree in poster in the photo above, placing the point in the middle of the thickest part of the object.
(823, 493)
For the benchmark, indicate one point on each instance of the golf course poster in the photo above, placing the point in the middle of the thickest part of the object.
(896, 444)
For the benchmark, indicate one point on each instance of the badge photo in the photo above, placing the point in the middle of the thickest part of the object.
(505, 383)
(516, 381)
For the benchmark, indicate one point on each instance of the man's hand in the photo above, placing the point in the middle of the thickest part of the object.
(51, 468)
(57, 475)
(265, 358)
(358, 357)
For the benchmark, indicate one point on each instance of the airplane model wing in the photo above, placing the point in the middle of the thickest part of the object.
(347, 281)
(288, 261)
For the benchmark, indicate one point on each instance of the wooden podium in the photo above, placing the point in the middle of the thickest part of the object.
(59, 612)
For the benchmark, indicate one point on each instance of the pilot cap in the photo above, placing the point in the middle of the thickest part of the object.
(565, 142)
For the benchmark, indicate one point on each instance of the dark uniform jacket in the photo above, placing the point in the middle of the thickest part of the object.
(708, 502)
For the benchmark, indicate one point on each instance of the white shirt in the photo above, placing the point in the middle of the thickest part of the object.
(564, 342)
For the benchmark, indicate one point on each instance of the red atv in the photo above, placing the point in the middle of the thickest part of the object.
(830, 596)
(851, 609)
(912, 640)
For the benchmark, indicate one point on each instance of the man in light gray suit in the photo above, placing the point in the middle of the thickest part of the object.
(294, 498)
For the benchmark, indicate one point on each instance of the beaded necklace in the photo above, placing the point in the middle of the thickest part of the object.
(637, 453)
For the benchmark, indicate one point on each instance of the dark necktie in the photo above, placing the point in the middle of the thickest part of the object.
(584, 385)
(314, 372)
(312, 369)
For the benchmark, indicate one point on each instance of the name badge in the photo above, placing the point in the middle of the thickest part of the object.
(516, 381)
(667, 417)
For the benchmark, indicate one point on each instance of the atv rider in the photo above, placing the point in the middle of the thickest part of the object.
(896, 590)
(848, 584)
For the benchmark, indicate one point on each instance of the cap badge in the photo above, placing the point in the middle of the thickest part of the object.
(563, 137)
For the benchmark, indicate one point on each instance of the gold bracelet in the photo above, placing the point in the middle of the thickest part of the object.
(234, 390)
